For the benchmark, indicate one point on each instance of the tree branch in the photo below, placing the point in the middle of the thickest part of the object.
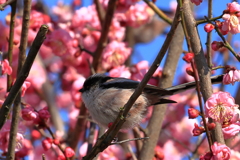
(200, 60)
(104, 141)
(104, 34)
(4, 111)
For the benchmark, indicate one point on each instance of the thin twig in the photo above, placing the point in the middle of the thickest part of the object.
(104, 34)
(159, 12)
(156, 121)
(209, 37)
(91, 136)
(100, 11)
(218, 67)
(204, 71)
(105, 140)
(226, 44)
(211, 19)
(83, 49)
(53, 137)
(43, 157)
(201, 105)
(131, 152)
(128, 140)
(21, 60)
(78, 129)
(8, 2)
(4, 111)
(184, 27)
(10, 40)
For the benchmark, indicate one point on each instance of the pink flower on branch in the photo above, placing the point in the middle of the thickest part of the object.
(221, 107)
(120, 71)
(138, 14)
(25, 86)
(6, 68)
(115, 54)
(197, 130)
(220, 151)
(5, 135)
(231, 130)
(61, 43)
(231, 18)
(231, 77)
(28, 114)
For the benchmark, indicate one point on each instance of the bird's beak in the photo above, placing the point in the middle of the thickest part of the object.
(81, 90)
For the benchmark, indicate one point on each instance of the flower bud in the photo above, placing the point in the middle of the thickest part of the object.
(197, 130)
(209, 27)
(211, 126)
(47, 143)
(188, 57)
(193, 113)
(216, 45)
(69, 152)
(189, 71)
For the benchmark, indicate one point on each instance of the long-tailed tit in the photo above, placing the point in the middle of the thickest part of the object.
(104, 96)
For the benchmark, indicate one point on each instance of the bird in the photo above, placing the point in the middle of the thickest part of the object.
(103, 96)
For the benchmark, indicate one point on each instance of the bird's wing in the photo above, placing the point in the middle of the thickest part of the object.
(123, 83)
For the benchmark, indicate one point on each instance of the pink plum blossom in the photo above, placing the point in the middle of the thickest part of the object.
(2, 1)
(140, 69)
(120, 71)
(76, 95)
(231, 18)
(235, 155)
(197, 130)
(113, 152)
(231, 77)
(138, 15)
(28, 114)
(25, 150)
(90, 39)
(220, 151)
(231, 130)
(64, 100)
(25, 86)
(63, 12)
(6, 68)
(61, 44)
(170, 151)
(37, 19)
(44, 113)
(220, 107)
(86, 16)
(182, 129)
(115, 54)
(116, 32)
(122, 5)
(37, 76)
(5, 135)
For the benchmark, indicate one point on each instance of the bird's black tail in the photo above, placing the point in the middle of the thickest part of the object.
(183, 87)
